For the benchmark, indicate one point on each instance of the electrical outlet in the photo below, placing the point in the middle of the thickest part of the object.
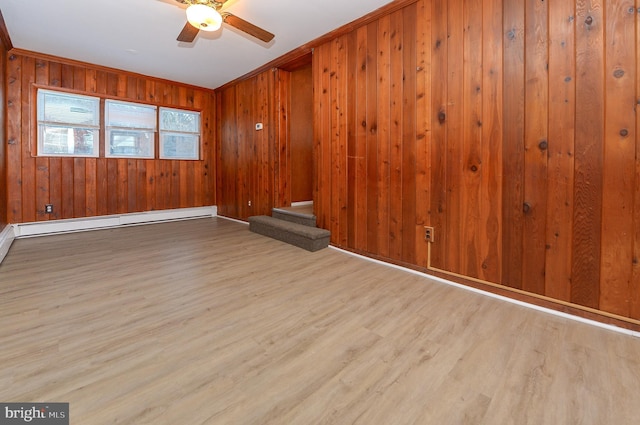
(48, 208)
(428, 234)
(249, 203)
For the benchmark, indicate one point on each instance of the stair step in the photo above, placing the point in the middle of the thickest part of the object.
(294, 216)
(300, 235)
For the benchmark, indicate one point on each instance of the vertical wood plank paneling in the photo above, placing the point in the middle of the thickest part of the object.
(319, 109)
(383, 183)
(486, 121)
(284, 177)
(560, 205)
(249, 158)
(423, 128)
(492, 153)
(226, 119)
(339, 141)
(513, 142)
(472, 169)
(536, 146)
(373, 140)
(263, 141)
(590, 99)
(361, 198)
(323, 141)
(28, 160)
(439, 71)
(81, 187)
(409, 145)
(635, 286)
(353, 185)
(396, 120)
(246, 149)
(3, 138)
(454, 120)
(122, 183)
(616, 262)
(14, 147)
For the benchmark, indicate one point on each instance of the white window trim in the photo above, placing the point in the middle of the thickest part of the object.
(197, 134)
(109, 129)
(96, 128)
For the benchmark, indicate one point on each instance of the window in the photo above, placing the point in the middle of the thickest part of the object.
(68, 124)
(130, 129)
(179, 134)
(71, 125)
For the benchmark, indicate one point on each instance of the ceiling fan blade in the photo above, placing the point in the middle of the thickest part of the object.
(188, 33)
(247, 27)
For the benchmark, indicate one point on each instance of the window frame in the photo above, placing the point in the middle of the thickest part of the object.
(102, 132)
(162, 132)
(42, 124)
(112, 130)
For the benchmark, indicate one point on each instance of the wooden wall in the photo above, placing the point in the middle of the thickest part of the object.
(247, 175)
(85, 187)
(3, 140)
(301, 134)
(272, 167)
(509, 127)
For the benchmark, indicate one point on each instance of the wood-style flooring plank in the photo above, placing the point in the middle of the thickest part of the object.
(204, 322)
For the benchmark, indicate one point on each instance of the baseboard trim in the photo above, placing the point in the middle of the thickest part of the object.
(7, 236)
(41, 228)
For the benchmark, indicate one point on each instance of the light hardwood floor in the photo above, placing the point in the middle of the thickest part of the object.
(203, 322)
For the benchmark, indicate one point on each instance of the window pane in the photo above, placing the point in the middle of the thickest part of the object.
(179, 146)
(130, 143)
(176, 120)
(130, 115)
(59, 140)
(54, 107)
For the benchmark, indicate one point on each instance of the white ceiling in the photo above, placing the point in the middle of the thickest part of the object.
(140, 35)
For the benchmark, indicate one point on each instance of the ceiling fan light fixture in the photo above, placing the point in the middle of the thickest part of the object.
(204, 17)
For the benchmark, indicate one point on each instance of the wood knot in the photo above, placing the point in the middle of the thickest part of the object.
(618, 73)
(543, 145)
(511, 35)
(624, 132)
(442, 117)
(474, 168)
(526, 208)
(589, 20)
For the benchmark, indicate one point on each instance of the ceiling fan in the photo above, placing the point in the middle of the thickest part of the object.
(205, 15)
